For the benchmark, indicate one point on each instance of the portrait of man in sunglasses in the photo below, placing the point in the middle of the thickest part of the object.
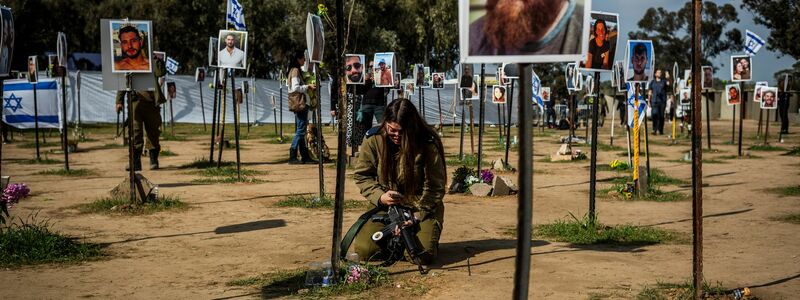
(354, 69)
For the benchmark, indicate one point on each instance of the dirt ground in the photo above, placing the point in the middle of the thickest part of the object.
(234, 231)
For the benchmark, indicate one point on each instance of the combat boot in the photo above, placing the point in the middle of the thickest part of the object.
(137, 161)
(154, 158)
(293, 157)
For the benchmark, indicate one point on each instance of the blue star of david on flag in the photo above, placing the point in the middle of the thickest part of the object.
(9, 105)
(753, 43)
(235, 15)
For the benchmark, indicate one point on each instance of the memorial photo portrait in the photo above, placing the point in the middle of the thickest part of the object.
(569, 76)
(603, 33)
(427, 79)
(354, 66)
(315, 38)
(639, 60)
(438, 81)
(732, 94)
(708, 77)
(498, 94)
(200, 74)
(397, 81)
(232, 49)
(6, 40)
(212, 51)
(758, 89)
(545, 94)
(383, 69)
(172, 91)
(769, 98)
(741, 69)
(465, 76)
(419, 75)
(621, 86)
(131, 47)
(33, 69)
(523, 31)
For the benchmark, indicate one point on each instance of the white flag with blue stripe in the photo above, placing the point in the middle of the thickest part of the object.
(642, 111)
(18, 109)
(172, 66)
(536, 89)
(235, 15)
(753, 43)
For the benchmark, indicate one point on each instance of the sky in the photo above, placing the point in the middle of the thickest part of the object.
(764, 65)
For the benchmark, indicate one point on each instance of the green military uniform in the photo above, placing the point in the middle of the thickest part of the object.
(432, 178)
(146, 119)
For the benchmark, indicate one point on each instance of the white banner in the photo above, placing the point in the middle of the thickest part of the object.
(18, 104)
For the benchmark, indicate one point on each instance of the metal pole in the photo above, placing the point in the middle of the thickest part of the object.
(318, 120)
(275, 115)
(760, 122)
(280, 110)
(247, 108)
(742, 112)
(64, 124)
(236, 124)
(647, 149)
(481, 113)
(697, 156)
(441, 120)
(341, 153)
(636, 129)
(708, 120)
(221, 126)
(593, 159)
(202, 106)
(461, 141)
(36, 120)
(614, 112)
(733, 125)
(525, 197)
(131, 172)
(78, 92)
(508, 120)
(214, 118)
(766, 129)
(499, 122)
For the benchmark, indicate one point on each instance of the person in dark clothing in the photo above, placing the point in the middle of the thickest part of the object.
(783, 111)
(373, 104)
(658, 102)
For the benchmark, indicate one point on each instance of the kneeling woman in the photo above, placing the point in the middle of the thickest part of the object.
(403, 164)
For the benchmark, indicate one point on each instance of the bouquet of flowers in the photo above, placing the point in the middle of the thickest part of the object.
(11, 195)
(357, 274)
(617, 165)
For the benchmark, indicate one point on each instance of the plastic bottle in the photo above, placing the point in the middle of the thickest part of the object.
(741, 293)
(154, 193)
(327, 274)
(313, 275)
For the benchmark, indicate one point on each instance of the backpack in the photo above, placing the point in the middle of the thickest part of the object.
(297, 100)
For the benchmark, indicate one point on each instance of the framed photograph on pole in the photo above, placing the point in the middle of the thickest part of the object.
(760, 85)
(602, 44)
(6, 40)
(131, 46)
(383, 69)
(232, 49)
(569, 76)
(741, 68)
(769, 98)
(354, 66)
(708, 77)
(639, 61)
(33, 69)
(200, 74)
(531, 32)
(499, 94)
(465, 76)
(732, 94)
(621, 86)
(315, 37)
(438, 81)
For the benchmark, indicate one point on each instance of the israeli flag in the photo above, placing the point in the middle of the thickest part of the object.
(235, 15)
(172, 66)
(753, 43)
(18, 108)
(536, 89)
(642, 110)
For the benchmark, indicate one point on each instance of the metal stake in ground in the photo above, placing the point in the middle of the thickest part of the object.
(280, 111)
(766, 130)
(221, 126)
(202, 105)
(708, 119)
(274, 114)
(697, 156)
(614, 124)
(318, 120)
(441, 121)
(64, 131)
(742, 114)
(522, 261)
(635, 142)
(508, 120)
(214, 118)
(246, 91)
(481, 113)
(236, 124)
(733, 125)
(341, 145)
(36, 120)
(593, 161)
(461, 140)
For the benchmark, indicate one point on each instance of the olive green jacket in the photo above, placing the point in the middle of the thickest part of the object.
(429, 171)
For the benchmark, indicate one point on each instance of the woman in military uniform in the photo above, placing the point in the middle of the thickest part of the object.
(402, 163)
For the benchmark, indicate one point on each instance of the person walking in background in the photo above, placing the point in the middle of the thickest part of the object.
(296, 85)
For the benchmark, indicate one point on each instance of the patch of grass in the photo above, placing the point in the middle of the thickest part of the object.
(292, 283)
(641, 153)
(68, 173)
(226, 171)
(114, 145)
(169, 137)
(786, 191)
(469, 160)
(684, 291)
(547, 159)
(746, 156)
(654, 194)
(166, 152)
(607, 147)
(788, 218)
(29, 145)
(275, 140)
(794, 152)
(33, 242)
(658, 177)
(43, 161)
(587, 232)
(314, 202)
(767, 148)
(122, 205)
(202, 163)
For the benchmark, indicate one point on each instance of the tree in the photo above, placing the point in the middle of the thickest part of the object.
(670, 33)
(778, 17)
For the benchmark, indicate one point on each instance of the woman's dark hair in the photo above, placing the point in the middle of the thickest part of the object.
(293, 60)
(599, 21)
(415, 134)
